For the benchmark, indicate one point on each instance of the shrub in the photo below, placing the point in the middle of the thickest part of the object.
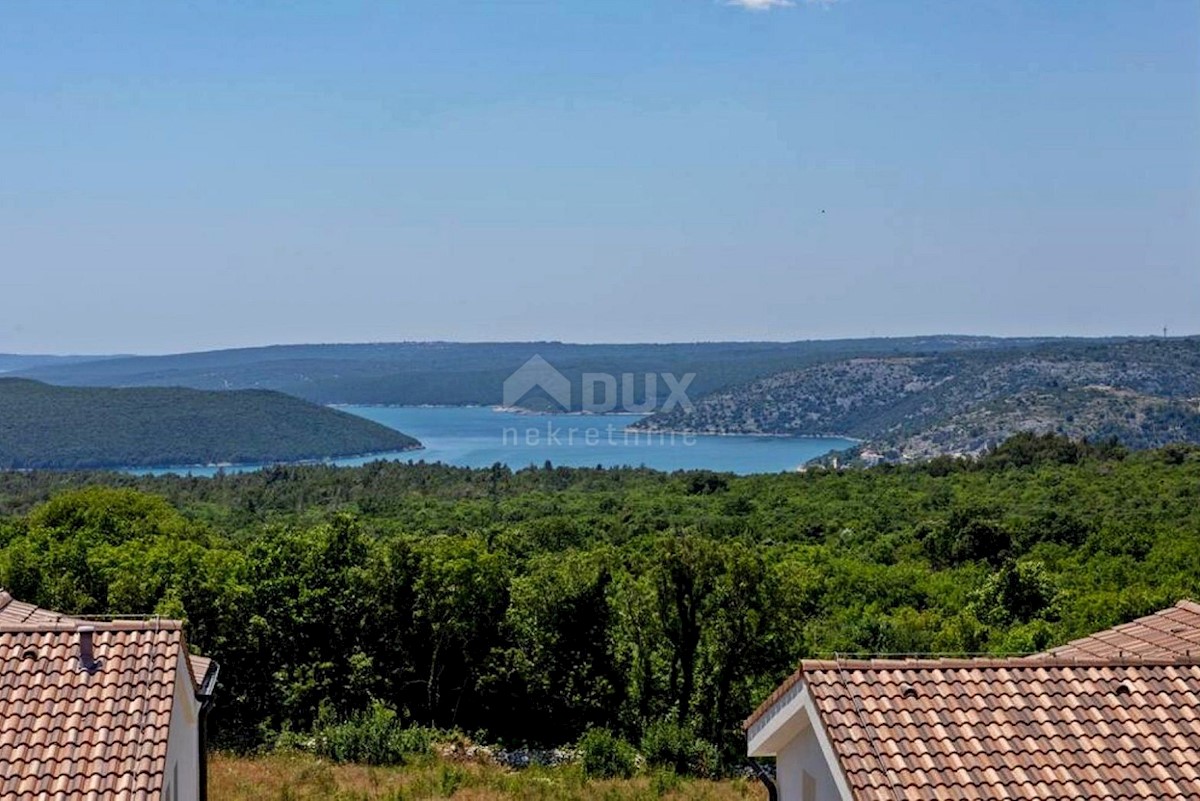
(664, 782)
(667, 744)
(450, 779)
(375, 737)
(606, 756)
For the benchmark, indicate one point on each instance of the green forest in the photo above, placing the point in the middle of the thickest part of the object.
(43, 426)
(546, 605)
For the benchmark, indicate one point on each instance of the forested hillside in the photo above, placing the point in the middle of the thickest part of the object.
(533, 606)
(457, 373)
(69, 427)
(907, 398)
(1146, 393)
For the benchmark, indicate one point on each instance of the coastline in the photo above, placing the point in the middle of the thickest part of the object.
(343, 405)
(700, 433)
(239, 466)
(517, 410)
(522, 412)
(498, 408)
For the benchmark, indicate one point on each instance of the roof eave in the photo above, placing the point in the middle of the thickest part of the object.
(784, 719)
(208, 684)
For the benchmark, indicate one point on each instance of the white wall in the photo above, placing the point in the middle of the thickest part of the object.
(183, 743)
(803, 754)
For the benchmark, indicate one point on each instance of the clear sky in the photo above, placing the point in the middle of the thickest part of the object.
(177, 176)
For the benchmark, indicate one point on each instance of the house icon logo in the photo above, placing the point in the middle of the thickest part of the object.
(537, 373)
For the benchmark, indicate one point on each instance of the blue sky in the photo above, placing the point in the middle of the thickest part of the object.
(177, 176)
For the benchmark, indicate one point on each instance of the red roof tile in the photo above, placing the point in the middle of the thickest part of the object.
(1173, 632)
(13, 611)
(1168, 634)
(1112, 716)
(918, 730)
(200, 666)
(70, 733)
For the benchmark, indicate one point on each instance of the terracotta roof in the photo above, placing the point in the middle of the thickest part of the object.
(1168, 634)
(1173, 632)
(200, 666)
(985, 729)
(67, 733)
(13, 611)
(1112, 716)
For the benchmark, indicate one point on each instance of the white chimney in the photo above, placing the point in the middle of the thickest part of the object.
(87, 649)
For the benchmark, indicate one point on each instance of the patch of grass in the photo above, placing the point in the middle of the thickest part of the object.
(304, 777)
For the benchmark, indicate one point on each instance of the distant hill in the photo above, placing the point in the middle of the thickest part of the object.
(20, 361)
(905, 397)
(458, 373)
(70, 427)
(1144, 392)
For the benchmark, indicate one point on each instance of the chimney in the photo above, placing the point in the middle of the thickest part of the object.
(87, 649)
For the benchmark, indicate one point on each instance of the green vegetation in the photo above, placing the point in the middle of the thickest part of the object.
(547, 606)
(292, 776)
(603, 755)
(1145, 393)
(374, 737)
(453, 373)
(42, 426)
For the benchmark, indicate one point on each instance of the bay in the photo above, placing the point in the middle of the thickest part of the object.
(476, 436)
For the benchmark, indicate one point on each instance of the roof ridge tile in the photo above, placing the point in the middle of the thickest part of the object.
(70, 624)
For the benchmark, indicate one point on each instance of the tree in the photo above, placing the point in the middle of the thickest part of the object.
(1017, 593)
(559, 675)
(969, 534)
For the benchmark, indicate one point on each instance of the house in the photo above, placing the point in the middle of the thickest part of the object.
(100, 709)
(1115, 715)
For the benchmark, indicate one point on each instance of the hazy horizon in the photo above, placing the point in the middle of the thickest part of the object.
(198, 177)
(261, 345)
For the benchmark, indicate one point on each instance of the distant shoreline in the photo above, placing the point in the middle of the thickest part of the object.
(750, 434)
(240, 466)
(500, 409)
(517, 410)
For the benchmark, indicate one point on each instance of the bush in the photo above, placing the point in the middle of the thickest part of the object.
(666, 744)
(664, 782)
(375, 737)
(606, 756)
(450, 779)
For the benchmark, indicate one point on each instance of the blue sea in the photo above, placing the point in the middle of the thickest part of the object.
(475, 436)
